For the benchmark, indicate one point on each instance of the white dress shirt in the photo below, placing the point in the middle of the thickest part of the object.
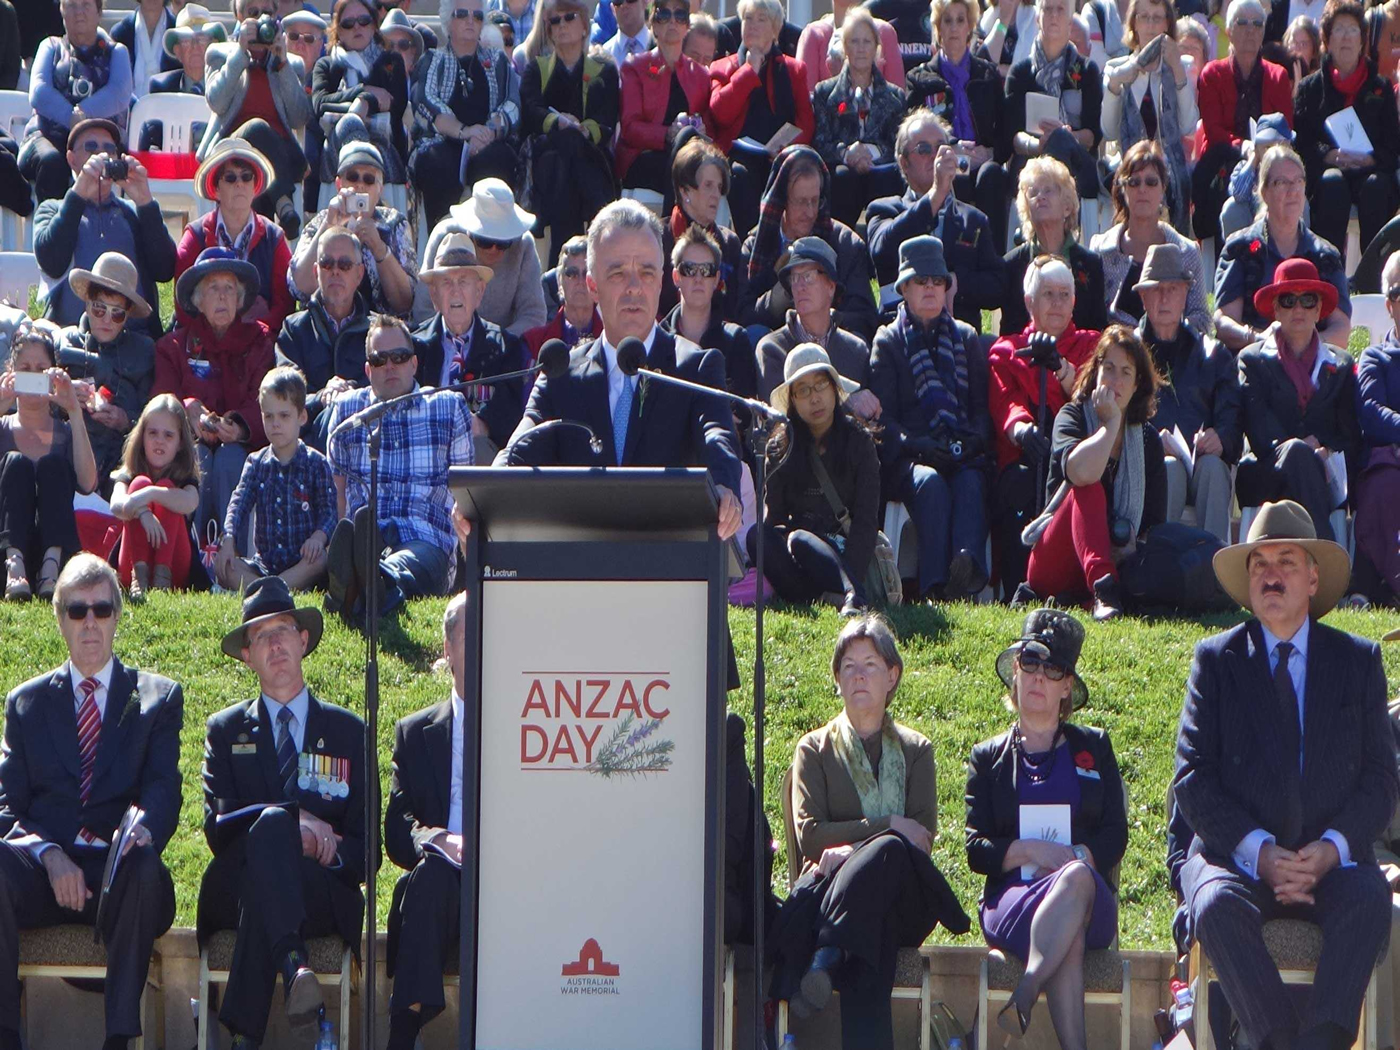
(615, 376)
(454, 813)
(1247, 852)
(150, 49)
(619, 50)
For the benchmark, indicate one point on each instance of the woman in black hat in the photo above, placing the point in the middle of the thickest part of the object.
(1047, 899)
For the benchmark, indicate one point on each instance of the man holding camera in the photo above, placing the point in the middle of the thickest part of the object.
(256, 91)
(70, 232)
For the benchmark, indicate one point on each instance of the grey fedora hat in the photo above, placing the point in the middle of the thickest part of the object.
(921, 257)
(1164, 263)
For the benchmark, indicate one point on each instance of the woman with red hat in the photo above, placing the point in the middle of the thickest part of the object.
(1299, 401)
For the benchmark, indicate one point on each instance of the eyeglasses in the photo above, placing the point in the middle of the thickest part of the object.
(699, 269)
(360, 22)
(1035, 665)
(78, 611)
(1393, 293)
(380, 358)
(1150, 181)
(342, 263)
(668, 14)
(619, 3)
(97, 146)
(922, 149)
(1250, 23)
(303, 38)
(1287, 184)
(361, 178)
(258, 12)
(799, 278)
(926, 282)
(1307, 300)
(572, 273)
(102, 311)
(475, 16)
(567, 16)
(819, 385)
(233, 178)
(487, 245)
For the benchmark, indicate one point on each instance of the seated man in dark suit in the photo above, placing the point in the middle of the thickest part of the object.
(292, 867)
(678, 428)
(195, 29)
(423, 835)
(457, 345)
(928, 207)
(82, 744)
(1286, 774)
(143, 33)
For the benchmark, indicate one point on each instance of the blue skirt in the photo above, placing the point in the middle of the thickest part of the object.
(1006, 921)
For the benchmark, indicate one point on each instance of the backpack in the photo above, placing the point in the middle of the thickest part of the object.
(1173, 568)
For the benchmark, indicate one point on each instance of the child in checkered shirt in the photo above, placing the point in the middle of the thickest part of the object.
(289, 488)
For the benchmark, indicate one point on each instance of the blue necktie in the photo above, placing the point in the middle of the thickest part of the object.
(286, 752)
(620, 415)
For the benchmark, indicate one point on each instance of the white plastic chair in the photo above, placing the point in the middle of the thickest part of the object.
(1369, 311)
(19, 272)
(177, 114)
(15, 112)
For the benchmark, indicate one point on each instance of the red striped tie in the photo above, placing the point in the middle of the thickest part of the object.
(89, 729)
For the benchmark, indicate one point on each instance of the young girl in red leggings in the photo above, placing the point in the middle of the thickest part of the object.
(157, 489)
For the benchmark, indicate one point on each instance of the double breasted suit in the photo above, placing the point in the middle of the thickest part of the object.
(137, 761)
(424, 920)
(259, 883)
(1235, 773)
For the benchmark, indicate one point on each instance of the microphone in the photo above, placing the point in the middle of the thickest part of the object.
(553, 362)
(521, 442)
(631, 360)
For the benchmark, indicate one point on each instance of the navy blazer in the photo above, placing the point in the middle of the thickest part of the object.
(420, 783)
(493, 352)
(124, 32)
(669, 427)
(138, 755)
(1233, 772)
(172, 82)
(994, 810)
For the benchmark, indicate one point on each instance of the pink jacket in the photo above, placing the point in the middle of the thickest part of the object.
(815, 41)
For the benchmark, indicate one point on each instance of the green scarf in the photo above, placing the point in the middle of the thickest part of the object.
(882, 798)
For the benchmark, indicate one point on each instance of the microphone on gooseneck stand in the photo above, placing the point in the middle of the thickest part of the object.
(631, 360)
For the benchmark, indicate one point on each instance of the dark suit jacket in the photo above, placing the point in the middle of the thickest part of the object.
(329, 95)
(1316, 99)
(1090, 303)
(234, 780)
(138, 754)
(669, 427)
(493, 352)
(124, 32)
(968, 247)
(172, 82)
(1232, 769)
(994, 814)
(420, 783)
(926, 87)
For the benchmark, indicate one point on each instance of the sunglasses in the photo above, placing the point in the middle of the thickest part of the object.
(78, 611)
(567, 16)
(102, 311)
(1393, 293)
(698, 269)
(619, 3)
(1250, 23)
(233, 178)
(303, 38)
(486, 245)
(475, 16)
(361, 178)
(923, 149)
(1150, 181)
(97, 146)
(343, 263)
(379, 359)
(1033, 664)
(1307, 300)
(360, 22)
(573, 273)
(403, 46)
(681, 16)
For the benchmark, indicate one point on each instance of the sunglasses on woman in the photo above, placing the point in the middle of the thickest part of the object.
(1393, 293)
(671, 14)
(1307, 300)
(360, 22)
(379, 359)
(567, 16)
(233, 178)
(1035, 665)
(342, 263)
(78, 611)
(699, 269)
(404, 47)
(475, 16)
(487, 245)
(102, 311)
(1150, 181)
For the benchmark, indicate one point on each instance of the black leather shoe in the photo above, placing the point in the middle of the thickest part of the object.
(1024, 598)
(342, 584)
(364, 557)
(965, 579)
(1108, 599)
(817, 981)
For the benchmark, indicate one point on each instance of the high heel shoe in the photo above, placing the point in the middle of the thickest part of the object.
(1012, 1021)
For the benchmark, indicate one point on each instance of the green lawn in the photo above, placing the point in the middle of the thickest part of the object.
(1136, 671)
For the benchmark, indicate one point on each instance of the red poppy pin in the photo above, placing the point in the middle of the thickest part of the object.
(1082, 277)
(840, 109)
(655, 69)
(1256, 246)
(486, 62)
(1084, 760)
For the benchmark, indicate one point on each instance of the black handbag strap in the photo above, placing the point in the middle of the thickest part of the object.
(843, 516)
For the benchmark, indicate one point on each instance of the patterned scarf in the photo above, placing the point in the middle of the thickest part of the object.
(1050, 76)
(882, 796)
(768, 237)
(957, 75)
(940, 373)
(357, 63)
(1130, 483)
(242, 242)
(1168, 136)
(1298, 368)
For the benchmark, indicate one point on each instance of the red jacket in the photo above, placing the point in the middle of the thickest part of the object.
(535, 338)
(646, 90)
(731, 83)
(229, 374)
(268, 251)
(1013, 393)
(1215, 95)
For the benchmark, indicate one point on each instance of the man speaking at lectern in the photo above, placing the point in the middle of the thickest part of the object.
(641, 423)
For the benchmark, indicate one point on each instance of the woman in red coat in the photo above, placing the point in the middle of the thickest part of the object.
(753, 94)
(214, 365)
(663, 92)
(1225, 112)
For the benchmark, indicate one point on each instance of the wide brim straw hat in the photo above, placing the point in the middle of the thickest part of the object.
(1285, 522)
(806, 359)
(224, 151)
(456, 252)
(112, 272)
(492, 213)
(192, 19)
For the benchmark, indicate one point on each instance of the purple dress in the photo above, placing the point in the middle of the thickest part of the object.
(1006, 918)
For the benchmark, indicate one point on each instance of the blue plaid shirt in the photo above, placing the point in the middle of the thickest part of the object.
(292, 502)
(420, 440)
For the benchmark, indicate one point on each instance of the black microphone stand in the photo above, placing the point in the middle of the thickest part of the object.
(371, 575)
(760, 423)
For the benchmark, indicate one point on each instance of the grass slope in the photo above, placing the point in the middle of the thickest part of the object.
(1136, 672)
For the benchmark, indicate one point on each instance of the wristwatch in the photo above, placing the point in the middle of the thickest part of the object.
(1080, 852)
